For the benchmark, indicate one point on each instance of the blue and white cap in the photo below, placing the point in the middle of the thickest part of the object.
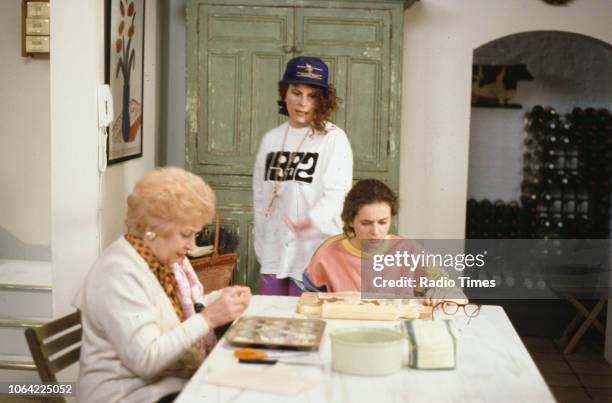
(306, 70)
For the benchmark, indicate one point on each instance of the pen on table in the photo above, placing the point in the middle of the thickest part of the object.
(274, 361)
(256, 361)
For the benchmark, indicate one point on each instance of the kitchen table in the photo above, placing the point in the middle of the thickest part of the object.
(492, 365)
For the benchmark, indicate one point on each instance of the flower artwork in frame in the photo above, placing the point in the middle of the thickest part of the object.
(124, 71)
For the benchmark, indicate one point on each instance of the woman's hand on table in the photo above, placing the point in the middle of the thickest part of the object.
(231, 303)
(245, 296)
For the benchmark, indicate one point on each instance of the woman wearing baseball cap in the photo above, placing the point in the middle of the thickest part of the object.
(303, 170)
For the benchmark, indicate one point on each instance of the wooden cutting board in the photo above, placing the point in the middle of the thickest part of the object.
(350, 305)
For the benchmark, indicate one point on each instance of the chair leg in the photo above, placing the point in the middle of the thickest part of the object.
(585, 325)
(569, 329)
(582, 309)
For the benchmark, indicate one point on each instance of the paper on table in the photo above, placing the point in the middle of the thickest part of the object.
(277, 379)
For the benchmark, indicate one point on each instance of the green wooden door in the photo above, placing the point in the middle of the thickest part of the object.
(356, 45)
(236, 53)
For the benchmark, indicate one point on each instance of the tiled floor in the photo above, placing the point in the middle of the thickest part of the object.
(583, 376)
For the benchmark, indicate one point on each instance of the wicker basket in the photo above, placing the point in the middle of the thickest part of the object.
(215, 271)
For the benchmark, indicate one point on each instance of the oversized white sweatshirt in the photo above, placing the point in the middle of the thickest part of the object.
(313, 185)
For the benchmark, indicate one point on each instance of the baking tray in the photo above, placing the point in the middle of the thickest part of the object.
(274, 332)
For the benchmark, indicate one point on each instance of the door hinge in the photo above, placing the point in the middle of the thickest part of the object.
(388, 147)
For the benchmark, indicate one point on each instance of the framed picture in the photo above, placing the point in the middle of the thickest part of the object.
(124, 72)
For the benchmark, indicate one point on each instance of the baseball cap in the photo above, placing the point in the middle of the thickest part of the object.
(306, 70)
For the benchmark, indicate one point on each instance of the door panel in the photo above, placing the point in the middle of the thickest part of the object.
(222, 137)
(267, 70)
(363, 116)
(240, 57)
(359, 42)
(251, 25)
(342, 28)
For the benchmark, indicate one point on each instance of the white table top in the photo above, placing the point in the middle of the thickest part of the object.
(492, 365)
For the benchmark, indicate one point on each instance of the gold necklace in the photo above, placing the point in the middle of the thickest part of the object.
(276, 186)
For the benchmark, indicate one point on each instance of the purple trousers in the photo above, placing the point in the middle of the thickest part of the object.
(270, 285)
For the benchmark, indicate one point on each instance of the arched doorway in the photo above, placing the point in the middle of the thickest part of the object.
(566, 77)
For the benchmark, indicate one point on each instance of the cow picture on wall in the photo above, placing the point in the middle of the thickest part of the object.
(496, 85)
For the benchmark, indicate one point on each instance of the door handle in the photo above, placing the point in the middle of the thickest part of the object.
(288, 48)
(298, 49)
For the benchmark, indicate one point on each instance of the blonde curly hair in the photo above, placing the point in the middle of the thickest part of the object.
(168, 197)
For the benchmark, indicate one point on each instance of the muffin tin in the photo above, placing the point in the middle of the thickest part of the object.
(273, 332)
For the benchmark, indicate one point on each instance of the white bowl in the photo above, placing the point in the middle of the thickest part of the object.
(367, 351)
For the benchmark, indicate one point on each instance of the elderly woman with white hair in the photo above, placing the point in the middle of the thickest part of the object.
(139, 343)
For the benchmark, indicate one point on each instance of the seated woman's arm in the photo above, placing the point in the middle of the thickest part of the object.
(211, 297)
(130, 323)
(315, 276)
(309, 285)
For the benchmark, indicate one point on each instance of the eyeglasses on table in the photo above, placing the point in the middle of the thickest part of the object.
(471, 309)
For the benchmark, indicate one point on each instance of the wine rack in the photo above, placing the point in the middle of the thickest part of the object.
(565, 191)
(498, 220)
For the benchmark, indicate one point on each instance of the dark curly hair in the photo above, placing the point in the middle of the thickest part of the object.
(327, 103)
(364, 192)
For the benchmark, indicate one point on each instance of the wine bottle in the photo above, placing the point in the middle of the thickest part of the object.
(534, 119)
(577, 113)
(529, 193)
(550, 113)
(582, 193)
(570, 226)
(569, 207)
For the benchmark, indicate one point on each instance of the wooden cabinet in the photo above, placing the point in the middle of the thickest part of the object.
(236, 53)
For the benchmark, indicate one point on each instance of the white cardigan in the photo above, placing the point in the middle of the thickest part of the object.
(132, 337)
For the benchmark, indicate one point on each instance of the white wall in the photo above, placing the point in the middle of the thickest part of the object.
(77, 67)
(439, 38)
(88, 209)
(25, 213)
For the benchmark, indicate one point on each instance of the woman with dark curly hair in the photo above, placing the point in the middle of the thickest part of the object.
(303, 170)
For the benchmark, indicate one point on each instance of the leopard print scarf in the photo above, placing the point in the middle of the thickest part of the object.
(163, 273)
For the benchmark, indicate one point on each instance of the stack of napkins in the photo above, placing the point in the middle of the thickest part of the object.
(433, 344)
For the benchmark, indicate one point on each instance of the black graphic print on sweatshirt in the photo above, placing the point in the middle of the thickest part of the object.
(302, 168)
